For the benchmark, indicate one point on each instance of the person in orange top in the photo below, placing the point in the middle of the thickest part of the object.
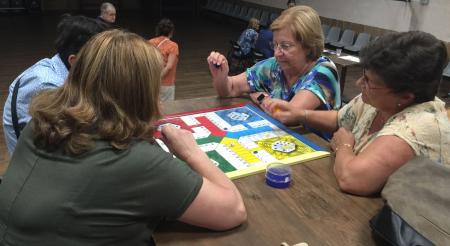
(169, 50)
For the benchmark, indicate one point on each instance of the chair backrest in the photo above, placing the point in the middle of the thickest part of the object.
(347, 37)
(257, 56)
(362, 40)
(225, 8)
(264, 21)
(250, 13)
(218, 6)
(236, 10)
(446, 72)
(243, 12)
(333, 34)
(209, 4)
(325, 29)
(257, 14)
(273, 16)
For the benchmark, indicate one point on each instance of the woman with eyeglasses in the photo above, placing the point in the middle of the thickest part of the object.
(396, 117)
(297, 73)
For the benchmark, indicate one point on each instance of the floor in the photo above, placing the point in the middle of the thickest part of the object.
(28, 38)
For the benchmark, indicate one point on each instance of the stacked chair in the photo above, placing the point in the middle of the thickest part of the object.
(362, 40)
(346, 39)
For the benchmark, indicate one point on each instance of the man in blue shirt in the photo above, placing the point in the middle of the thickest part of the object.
(73, 33)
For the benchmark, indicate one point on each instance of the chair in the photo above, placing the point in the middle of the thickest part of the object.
(250, 13)
(209, 4)
(362, 40)
(236, 10)
(446, 72)
(257, 57)
(346, 39)
(325, 29)
(243, 12)
(236, 62)
(273, 16)
(333, 35)
(257, 14)
(218, 6)
(264, 18)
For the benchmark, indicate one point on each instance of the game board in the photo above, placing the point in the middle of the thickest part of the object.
(242, 139)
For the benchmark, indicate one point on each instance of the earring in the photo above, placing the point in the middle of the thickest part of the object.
(399, 105)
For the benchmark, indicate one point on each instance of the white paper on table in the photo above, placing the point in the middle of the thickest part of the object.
(350, 58)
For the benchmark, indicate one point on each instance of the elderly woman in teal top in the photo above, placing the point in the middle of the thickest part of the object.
(297, 73)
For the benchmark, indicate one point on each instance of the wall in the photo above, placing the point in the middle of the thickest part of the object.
(386, 14)
(50, 5)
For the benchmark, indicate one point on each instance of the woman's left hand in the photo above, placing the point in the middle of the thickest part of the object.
(342, 137)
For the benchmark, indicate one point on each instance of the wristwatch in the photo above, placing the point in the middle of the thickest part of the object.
(260, 98)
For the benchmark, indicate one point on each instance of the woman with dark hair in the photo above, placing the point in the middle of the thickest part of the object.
(395, 118)
(170, 53)
(86, 170)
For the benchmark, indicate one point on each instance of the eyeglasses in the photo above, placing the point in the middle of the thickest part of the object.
(284, 47)
(366, 83)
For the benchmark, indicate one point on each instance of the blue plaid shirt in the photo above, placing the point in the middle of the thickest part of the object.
(45, 74)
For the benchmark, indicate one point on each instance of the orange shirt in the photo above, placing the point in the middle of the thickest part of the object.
(166, 47)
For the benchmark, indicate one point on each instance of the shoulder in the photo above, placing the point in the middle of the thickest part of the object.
(43, 72)
(425, 127)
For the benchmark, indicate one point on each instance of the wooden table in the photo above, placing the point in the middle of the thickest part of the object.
(343, 65)
(311, 210)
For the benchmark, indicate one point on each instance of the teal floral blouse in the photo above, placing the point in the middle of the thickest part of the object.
(322, 80)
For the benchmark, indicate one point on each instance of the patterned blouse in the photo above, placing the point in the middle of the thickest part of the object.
(322, 80)
(247, 41)
(425, 127)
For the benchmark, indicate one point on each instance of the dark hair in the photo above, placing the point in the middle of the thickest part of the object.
(74, 32)
(111, 94)
(164, 27)
(407, 62)
(291, 1)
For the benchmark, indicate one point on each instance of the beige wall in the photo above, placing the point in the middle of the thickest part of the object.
(385, 14)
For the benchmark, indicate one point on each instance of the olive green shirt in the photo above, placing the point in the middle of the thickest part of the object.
(103, 197)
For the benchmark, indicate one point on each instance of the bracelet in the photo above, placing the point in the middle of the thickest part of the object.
(305, 112)
(344, 145)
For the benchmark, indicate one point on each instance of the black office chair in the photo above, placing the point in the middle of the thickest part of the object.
(236, 61)
(257, 56)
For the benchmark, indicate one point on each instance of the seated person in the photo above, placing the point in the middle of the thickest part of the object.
(107, 13)
(395, 118)
(248, 37)
(86, 170)
(264, 43)
(73, 32)
(297, 73)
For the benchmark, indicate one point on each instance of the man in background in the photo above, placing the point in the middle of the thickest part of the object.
(73, 32)
(107, 13)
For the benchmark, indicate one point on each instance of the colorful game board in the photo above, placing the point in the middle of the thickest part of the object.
(242, 139)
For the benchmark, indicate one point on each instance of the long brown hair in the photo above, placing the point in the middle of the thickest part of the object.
(111, 94)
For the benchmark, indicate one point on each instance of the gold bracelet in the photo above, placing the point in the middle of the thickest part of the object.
(344, 145)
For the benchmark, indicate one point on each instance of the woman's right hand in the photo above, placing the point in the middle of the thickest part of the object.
(218, 66)
(284, 112)
(180, 142)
